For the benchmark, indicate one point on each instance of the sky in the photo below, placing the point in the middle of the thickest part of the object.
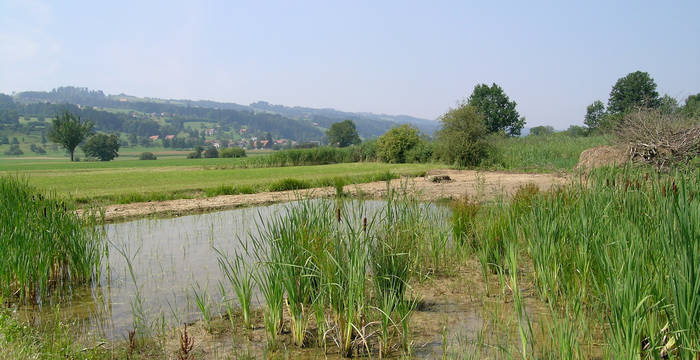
(396, 57)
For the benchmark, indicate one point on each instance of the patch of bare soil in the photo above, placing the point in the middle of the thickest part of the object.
(481, 185)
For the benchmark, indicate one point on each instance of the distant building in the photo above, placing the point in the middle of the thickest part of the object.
(154, 137)
(169, 137)
(210, 132)
(242, 131)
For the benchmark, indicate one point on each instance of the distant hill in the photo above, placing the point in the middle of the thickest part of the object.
(295, 123)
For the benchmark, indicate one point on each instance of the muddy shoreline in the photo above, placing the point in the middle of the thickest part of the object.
(482, 185)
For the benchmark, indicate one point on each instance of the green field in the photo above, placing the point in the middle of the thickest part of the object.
(134, 180)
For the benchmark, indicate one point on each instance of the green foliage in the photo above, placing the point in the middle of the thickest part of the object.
(462, 137)
(595, 246)
(393, 146)
(147, 156)
(595, 115)
(342, 134)
(668, 104)
(635, 90)
(102, 146)
(498, 111)
(69, 131)
(555, 152)
(692, 106)
(14, 150)
(45, 247)
(541, 130)
(211, 152)
(234, 152)
(577, 131)
(196, 154)
(289, 184)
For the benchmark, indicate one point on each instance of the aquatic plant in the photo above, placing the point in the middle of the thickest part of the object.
(45, 247)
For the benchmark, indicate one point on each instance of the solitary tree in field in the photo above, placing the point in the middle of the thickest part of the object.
(498, 111)
(635, 90)
(69, 131)
(102, 146)
(343, 134)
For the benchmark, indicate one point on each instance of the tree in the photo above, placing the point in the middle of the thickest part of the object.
(635, 90)
(541, 130)
(211, 152)
(69, 131)
(102, 146)
(461, 137)
(595, 115)
(498, 111)
(668, 105)
(692, 106)
(395, 143)
(342, 134)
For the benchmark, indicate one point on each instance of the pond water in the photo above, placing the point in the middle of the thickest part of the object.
(170, 259)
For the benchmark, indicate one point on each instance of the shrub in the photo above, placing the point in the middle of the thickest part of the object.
(395, 143)
(462, 137)
(234, 152)
(14, 150)
(147, 156)
(211, 152)
(289, 184)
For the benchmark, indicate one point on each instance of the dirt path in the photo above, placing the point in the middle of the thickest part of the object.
(483, 185)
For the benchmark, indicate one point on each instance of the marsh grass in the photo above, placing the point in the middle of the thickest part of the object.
(45, 248)
(616, 251)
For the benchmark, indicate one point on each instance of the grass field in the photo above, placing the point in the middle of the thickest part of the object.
(129, 181)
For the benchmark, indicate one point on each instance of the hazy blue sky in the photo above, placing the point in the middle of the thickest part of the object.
(397, 57)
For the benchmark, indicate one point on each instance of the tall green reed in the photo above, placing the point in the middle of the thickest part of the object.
(45, 247)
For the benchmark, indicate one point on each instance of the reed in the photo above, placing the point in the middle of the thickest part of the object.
(45, 248)
(240, 276)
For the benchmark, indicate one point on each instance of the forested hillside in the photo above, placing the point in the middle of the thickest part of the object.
(146, 117)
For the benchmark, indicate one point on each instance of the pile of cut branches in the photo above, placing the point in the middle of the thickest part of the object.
(658, 138)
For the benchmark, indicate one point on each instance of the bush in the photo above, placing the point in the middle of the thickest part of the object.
(196, 154)
(147, 156)
(234, 152)
(395, 143)
(211, 152)
(462, 137)
(289, 184)
(14, 150)
(102, 146)
(421, 153)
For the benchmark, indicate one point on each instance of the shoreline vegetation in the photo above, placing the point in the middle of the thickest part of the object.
(590, 257)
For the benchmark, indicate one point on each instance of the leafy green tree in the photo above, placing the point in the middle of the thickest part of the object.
(595, 115)
(211, 152)
(668, 104)
(69, 131)
(498, 111)
(576, 131)
(14, 150)
(342, 134)
(635, 90)
(692, 106)
(102, 146)
(541, 130)
(395, 143)
(462, 136)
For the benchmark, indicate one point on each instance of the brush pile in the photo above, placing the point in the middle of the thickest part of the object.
(658, 138)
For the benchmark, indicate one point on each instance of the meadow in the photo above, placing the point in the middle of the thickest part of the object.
(134, 180)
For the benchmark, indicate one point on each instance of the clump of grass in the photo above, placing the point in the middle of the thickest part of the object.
(45, 247)
(229, 190)
(289, 184)
(240, 277)
(617, 251)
